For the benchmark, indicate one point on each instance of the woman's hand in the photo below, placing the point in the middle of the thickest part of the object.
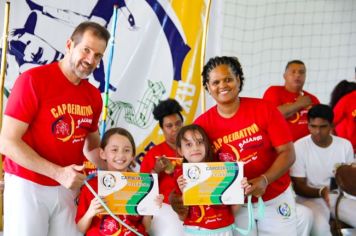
(257, 187)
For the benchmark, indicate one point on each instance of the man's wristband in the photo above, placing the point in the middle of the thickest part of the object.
(321, 190)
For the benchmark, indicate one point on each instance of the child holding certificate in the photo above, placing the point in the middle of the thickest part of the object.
(118, 150)
(217, 220)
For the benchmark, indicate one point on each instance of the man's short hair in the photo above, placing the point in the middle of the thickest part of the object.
(96, 29)
(321, 111)
(294, 62)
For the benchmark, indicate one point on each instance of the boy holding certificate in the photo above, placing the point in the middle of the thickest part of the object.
(118, 150)
(218, 220)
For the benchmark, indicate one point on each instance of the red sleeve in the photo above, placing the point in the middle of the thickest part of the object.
(271, 95)
(339, 111)
(84, 199)
(148, 162)
(23, 101)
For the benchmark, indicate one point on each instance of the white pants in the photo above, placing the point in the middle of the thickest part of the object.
(347, 209)
(321, 215)
(279, 219)
(304, 220)
(166, 222)
(32, 209)
(226, 231)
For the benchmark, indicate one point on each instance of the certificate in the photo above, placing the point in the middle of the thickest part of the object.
(129, 193)
(213, 183)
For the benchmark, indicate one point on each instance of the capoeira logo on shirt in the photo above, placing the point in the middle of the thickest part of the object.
(297, 117)
(63, 127)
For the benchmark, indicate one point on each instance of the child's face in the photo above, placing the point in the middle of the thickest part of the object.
(192, 147)
(118, 153)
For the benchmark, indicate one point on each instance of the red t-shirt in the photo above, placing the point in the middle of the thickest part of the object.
(166, 181)
(60, 116)
(345, 118)
(298, 123)
(105, 225)
(206, 216)
(249, 136)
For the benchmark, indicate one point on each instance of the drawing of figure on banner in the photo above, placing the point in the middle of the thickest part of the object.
(32, 46)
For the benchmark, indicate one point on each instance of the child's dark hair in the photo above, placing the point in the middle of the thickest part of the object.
(232, 62)
(120, 131)
(165, 108)
(195, 128)
(321, 111)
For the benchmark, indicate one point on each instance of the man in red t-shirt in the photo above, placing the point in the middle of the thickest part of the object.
(291, 100)
(50, 126)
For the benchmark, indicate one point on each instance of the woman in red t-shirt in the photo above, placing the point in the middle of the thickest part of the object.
(252, 131)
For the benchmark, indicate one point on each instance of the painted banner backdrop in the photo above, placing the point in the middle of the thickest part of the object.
(157, 53)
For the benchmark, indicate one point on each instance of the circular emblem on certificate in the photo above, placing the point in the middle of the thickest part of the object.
(109, 181)
(193, 172)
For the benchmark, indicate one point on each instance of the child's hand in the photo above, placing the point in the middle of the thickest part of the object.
(159, 200)
(245, 185)
(181, 183)
(95, 208)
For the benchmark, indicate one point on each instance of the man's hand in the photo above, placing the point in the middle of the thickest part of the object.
(304, 101)
(71, 176)
(325, 195)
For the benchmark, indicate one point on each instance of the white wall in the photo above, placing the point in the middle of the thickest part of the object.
(266, 34)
